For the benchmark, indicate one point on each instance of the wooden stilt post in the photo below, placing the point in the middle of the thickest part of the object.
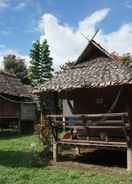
(129, 148)
(55, 152)
(77, 151)
(129, 132)
(41, 118)
(19, 126)
(55, 146)
(129, 158)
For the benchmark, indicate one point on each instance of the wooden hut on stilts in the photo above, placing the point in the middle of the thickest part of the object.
(96, 95)
(17, 107)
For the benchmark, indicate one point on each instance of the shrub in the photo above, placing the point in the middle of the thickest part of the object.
(45, 135)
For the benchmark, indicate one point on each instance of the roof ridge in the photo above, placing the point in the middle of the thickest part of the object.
(88, 49)
(81, 65)
(102, 48)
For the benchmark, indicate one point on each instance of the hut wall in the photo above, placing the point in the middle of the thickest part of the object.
(94, 101)
(129, 108)
(98, 101)
(9, 109)
(28, 112)
(90, 101)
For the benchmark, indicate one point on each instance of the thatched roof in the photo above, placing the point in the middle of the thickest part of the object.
(10, 85)
(100, 72)
(92, 51)
(95, 67)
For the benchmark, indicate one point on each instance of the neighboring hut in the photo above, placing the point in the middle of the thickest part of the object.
(17, 108)
(96, 93)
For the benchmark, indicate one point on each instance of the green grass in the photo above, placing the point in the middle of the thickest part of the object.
(16, 167)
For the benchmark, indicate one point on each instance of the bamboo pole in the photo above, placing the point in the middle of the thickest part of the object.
(129, 158)
(41, 118)
(55, 152)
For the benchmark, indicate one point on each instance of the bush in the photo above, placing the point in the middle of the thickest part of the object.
(45, 135)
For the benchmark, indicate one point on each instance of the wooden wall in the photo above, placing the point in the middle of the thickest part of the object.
(28, 112)
(9, 109)
(90, 101)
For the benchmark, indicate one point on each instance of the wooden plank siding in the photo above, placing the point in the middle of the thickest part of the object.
(93, 101)
(9, 110)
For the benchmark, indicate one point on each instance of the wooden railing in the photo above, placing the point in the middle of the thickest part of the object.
(11, 117)
(91, 127)
(108, 120)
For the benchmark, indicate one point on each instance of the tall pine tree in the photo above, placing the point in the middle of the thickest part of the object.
(41, 62)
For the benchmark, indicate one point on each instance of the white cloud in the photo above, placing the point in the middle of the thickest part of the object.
(120, 40)
(2, 46)
(66, 43)
(20, 5)
(128, 4)
(4, 3)
(16, 5)
(5, 32)
(7, 3)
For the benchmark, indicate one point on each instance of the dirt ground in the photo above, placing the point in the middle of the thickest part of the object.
(109, 161)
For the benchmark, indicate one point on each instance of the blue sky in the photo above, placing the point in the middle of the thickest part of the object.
(62, 22)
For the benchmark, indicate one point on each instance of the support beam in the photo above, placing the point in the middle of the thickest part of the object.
(55, 152)
(129, 158)
(77, 151)
(41, 118)
(19, 126)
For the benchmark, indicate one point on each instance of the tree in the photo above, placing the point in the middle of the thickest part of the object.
(124, 59)
(15, 65)
(41, 62)
(127, 58)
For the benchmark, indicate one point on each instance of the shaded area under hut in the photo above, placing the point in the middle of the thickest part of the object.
(17, 109)
(96, 102)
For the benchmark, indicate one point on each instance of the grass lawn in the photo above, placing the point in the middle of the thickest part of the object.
(16, 167)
